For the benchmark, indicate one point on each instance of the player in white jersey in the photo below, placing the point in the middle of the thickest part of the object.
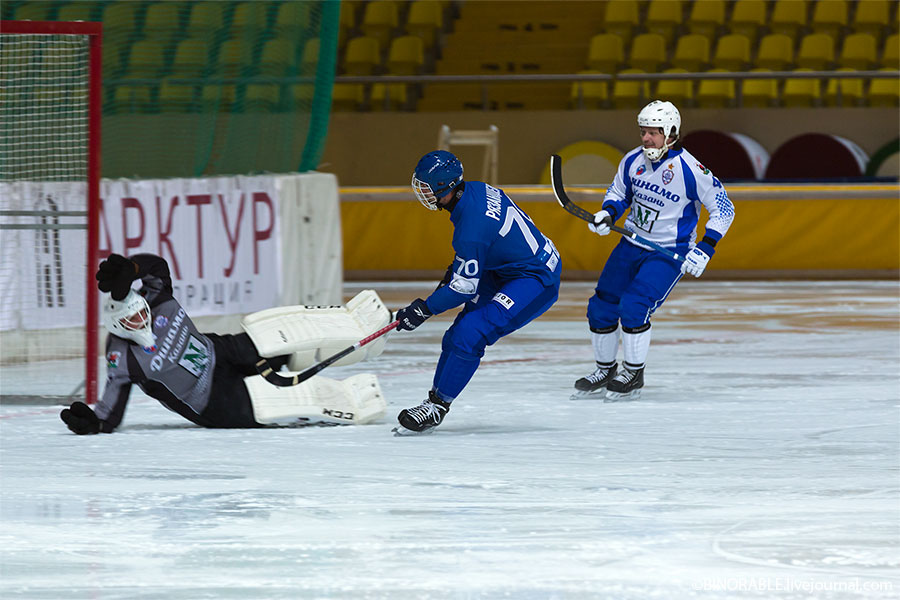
(662, 187)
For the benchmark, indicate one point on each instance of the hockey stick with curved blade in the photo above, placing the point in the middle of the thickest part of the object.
(560, 192)
(269, 374)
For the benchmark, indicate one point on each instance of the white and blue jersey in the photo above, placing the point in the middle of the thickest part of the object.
(665, 199)
(505, 271)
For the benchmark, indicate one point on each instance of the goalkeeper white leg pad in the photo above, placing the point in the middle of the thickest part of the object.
(313, 333)
(356, 400)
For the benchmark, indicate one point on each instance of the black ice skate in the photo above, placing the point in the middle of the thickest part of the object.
(594, 385)
(626, 385)
(422, 418)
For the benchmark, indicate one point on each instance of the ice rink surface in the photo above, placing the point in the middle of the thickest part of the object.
(761, 462)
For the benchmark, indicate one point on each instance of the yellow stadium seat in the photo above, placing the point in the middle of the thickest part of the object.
(891, 57)
(112, 58)
(380, 19)
(120, 20)
(388, 96)
(218, 98)
(859, 51)
(606, 53)
(128, 98)
(261, 97)
(589, 94)
(622, 18)
(707, 18)
(175, 97)
(310, 59)
(425, 20)
(748, 18)
(363, 56)
(802, 92)
(299, 95)
(33, 11)
(716, 93)
(830, 17)
(759, 93)
(191, 58)
(789, 17)
(292, 19)
(816, 52)
(346, 22)
(278, 58)
(630, 94)
(77, 11)
(872, 17)
(648, 52)
(884, 92)
(162, 21)
(205, 19)
(844, 92)
(678, 91)
(664, 17)
(249, 19)
(732, 52)
(235, 58)
(146, 59)
(691, 52)
(406, 55)
(776, 52)
(347, 96)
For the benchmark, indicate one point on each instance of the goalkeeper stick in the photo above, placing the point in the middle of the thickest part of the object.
(269, 374)
(560, 192)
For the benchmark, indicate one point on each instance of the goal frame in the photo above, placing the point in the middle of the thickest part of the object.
(94, 33)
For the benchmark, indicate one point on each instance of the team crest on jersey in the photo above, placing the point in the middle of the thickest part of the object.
(702, 168)
(640, 170)
(112, 359)
(149, 349)
(643, 216)
(195, 357)
(160, 322)
(504, 300)
(667, 176)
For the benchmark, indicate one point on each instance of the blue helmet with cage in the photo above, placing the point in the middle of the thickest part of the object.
(437, 173)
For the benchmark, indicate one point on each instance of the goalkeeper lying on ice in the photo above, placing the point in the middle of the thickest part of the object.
(211, 379)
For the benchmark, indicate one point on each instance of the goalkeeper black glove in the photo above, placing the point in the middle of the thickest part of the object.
(80, 419)
(115, 275)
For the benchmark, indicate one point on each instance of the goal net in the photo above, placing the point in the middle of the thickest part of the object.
(49, 198)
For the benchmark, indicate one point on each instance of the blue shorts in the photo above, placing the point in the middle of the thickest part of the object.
(499, 309)
(633, 284)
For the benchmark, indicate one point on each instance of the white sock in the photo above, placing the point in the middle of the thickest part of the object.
(636, 346)
(605, 346)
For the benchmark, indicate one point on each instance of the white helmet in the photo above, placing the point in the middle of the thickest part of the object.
(129, 319)
(660, 114)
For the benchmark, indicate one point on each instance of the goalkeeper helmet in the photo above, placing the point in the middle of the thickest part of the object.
(129, 319)
(665, 116)
(436, 174)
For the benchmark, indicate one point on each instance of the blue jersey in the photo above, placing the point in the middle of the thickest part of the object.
(493, 237)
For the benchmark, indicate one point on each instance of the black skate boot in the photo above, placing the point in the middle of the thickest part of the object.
(594, 385)
(422, 418)
(626, 385)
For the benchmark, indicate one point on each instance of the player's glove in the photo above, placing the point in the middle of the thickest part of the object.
(602, 222)
(413, 315)
(695, 261)
(80, 419)
(115, 276)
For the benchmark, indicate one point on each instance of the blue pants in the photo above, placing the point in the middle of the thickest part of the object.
(484, 321)
(633, 284)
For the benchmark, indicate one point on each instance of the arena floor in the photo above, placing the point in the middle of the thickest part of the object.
(761, 462)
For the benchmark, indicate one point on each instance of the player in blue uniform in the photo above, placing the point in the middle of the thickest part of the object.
(505, 271)
(663, 187)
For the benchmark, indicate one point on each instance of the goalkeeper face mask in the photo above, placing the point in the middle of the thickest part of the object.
(129, 319)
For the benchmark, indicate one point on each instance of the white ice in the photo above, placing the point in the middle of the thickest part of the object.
(761, 462)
